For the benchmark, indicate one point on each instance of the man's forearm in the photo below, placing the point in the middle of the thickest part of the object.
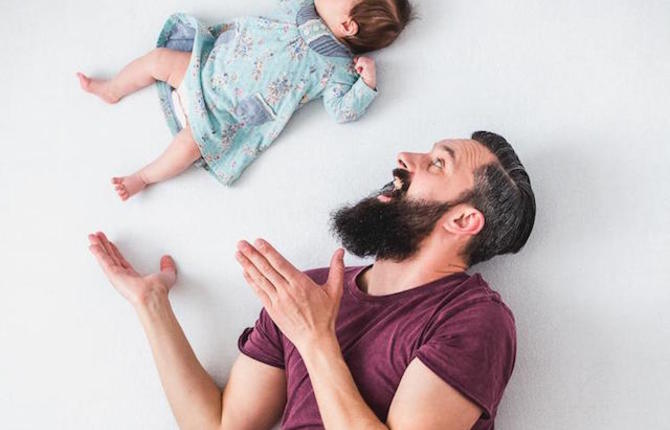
(340, 403)
(193, 396)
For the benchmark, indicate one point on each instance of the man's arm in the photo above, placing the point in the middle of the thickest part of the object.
(423, 401)
(306, 313)
(422, 397)
(255, 395)
(253, 398)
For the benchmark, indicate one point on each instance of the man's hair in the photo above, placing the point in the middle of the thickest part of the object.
(502, 193)
(379, 23)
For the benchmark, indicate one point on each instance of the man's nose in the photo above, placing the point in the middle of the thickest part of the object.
(406, 160)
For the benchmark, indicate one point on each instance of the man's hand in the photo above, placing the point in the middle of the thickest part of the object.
(133, 286)
(303, 310)
(365, 66)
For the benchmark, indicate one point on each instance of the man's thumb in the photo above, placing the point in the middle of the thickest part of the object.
(168, 265)
(336, 272)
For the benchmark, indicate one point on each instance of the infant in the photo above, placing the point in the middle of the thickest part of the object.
(228, 90)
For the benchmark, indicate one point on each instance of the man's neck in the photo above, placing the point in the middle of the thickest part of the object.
(388, 277)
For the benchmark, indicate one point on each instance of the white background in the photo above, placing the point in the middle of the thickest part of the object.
(581, 89)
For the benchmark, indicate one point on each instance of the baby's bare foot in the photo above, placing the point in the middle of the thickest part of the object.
(99, 87)
(128, 186)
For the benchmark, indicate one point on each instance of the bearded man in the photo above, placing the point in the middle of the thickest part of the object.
(409, 342)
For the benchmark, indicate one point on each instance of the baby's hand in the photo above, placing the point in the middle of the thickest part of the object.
(365, 66)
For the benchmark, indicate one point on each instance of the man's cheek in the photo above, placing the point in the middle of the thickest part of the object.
(417, 192)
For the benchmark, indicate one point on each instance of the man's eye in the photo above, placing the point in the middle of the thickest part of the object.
(438, 162)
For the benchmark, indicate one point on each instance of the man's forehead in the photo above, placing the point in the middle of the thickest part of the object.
(453, 144)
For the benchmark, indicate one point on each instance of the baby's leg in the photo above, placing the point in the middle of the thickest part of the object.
(178, 156)
(160, 64)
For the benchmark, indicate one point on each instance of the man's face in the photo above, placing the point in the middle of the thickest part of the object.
(393, 223)
(441, 175)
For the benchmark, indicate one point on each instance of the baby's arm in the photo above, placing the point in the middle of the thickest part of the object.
(347, 98)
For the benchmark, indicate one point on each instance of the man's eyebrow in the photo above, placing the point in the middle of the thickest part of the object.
(450, 151)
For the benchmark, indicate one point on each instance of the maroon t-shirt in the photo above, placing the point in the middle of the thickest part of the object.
(457, 326)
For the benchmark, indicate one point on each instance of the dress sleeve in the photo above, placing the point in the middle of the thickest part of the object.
(347, 96)
(263, 341)
(474, 352)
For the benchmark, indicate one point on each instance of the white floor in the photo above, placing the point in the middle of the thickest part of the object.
(581, 88)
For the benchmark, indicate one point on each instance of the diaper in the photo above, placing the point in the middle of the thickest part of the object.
(179, 101)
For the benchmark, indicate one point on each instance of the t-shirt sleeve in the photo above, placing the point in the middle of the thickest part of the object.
(263, 341)
(474, 351)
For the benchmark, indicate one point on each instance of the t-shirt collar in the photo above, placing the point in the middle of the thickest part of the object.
(351, 283)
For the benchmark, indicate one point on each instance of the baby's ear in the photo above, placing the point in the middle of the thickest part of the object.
(463, 219)
(349, 28)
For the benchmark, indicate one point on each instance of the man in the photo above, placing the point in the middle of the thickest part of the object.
(410, 342)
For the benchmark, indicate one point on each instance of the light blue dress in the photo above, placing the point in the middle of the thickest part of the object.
(248, 76)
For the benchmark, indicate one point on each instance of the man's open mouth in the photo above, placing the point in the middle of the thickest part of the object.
(398, 186)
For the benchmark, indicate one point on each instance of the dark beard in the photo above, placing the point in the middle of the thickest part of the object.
(388, 231)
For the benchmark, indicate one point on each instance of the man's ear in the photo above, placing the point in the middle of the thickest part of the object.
(349, 28)
(463, 219)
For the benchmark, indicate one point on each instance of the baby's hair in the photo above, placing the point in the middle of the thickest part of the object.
(380, 22)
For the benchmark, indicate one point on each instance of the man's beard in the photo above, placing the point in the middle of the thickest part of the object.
(392, 230)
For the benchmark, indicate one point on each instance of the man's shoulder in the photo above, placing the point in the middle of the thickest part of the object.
(479, 291)
(470, 342)
(474, 302)
(486, 312)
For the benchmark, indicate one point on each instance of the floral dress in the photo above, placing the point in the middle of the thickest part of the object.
(246, 78)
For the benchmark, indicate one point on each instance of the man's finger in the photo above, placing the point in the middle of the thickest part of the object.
(336, 272)
(262, 295)
(104, 260)
(119, 257)
(95, 241)
(167, 264)
(259, 279)
(107, 246)
(278, 262)
(258, 260)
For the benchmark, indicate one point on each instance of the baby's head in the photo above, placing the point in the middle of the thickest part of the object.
(365, 25)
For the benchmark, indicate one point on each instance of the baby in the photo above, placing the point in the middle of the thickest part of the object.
(227, 91)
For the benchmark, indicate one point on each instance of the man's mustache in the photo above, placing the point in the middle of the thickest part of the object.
(404, 177)
(399, 186)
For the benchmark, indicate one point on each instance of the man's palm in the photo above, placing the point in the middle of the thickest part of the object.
(130, 284)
